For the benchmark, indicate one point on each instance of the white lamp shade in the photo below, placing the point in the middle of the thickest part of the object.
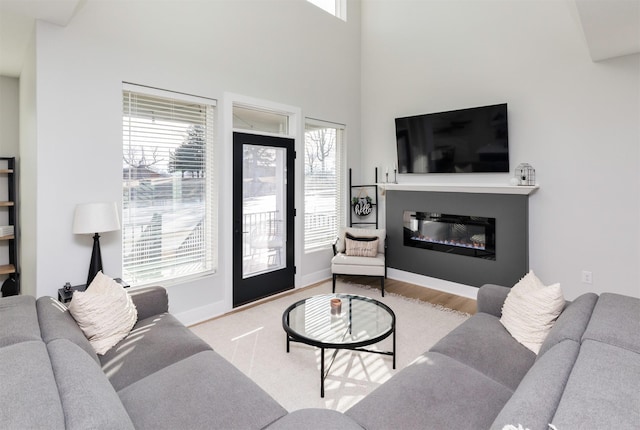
(90, 218)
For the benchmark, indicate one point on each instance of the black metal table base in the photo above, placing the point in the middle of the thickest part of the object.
(324, 373)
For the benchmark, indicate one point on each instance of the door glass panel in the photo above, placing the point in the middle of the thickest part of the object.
(263, 209)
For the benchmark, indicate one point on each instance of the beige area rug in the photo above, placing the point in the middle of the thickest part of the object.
(255, 342)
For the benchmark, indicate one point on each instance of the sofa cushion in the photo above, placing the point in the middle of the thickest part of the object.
(57, 323)
(88, 399)
(434, 392)
(534, 403)
(18, 320)
(571, 323)
(602, 391)
(104, 312)
(153, 344)
(213, 391)
(483, 343)
(28, 388)
(313, 418)
(149, 301)
(616, 321)
(530, 310)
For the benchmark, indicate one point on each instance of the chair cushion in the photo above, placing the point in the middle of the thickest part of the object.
(343, 264)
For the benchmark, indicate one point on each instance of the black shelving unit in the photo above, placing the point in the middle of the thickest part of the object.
(363, 192)
(9, 270)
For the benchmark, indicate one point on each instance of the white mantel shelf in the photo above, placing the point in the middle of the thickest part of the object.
(462, 188)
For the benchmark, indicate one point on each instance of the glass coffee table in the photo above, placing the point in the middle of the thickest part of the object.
(354, 323)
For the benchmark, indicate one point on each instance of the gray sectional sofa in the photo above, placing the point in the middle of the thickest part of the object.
(586, 375)
(161, 376)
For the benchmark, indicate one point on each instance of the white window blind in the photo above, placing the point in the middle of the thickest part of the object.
(168, 194)
(323, 183)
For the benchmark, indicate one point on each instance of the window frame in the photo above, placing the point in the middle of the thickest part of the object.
(339, 187)
(209, 192)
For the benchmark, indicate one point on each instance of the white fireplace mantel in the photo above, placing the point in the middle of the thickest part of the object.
(461, 188)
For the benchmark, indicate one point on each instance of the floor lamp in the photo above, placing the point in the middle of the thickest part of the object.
(95, 218)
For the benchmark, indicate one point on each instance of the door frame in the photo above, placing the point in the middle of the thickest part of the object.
(269, 282)
(225, 175)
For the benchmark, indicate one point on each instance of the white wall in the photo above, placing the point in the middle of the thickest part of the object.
(9, 117)
(9, 144)
(285, 51)
(575, 121)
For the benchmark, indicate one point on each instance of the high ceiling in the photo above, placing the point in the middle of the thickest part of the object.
(17, 18)
(611, 27)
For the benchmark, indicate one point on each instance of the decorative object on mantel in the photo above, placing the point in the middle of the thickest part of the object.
(395, 175)
(525, 174)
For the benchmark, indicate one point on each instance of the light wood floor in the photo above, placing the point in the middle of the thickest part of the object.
(451, 301)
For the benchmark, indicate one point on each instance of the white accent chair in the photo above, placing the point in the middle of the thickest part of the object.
(343, 264)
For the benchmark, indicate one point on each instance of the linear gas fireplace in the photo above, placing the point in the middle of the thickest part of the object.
(490, 226)
(468, 235)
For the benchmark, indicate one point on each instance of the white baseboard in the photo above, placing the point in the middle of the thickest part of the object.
(434, 283)
(314, 278)
(203, 313)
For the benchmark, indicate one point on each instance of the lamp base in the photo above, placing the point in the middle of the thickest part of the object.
(95, 265)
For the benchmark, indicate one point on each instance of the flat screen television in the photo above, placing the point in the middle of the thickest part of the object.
(459, 141)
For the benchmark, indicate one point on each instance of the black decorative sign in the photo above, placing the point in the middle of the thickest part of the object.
(362, 206)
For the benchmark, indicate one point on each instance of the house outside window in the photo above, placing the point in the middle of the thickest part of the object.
(168, 220)
(323, 183)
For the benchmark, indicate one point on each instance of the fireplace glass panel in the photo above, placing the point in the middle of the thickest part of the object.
(457, 234)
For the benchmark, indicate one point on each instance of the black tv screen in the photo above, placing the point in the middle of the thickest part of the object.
(459, 141)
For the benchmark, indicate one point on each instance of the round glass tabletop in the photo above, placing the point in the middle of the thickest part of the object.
(357, 321)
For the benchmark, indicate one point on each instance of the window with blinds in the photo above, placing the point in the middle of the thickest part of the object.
(168, 194)
(323, 190)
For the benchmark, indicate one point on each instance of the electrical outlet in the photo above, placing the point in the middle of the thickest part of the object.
(587, 277)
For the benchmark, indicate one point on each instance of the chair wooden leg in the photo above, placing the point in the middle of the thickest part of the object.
(334, 283)
(382, 285)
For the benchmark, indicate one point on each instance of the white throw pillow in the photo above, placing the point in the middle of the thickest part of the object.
(104, 312)
(530, 310)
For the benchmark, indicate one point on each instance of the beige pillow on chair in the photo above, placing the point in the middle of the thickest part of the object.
(361, 248)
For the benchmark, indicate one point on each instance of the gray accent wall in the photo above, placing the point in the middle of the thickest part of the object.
(512, 239)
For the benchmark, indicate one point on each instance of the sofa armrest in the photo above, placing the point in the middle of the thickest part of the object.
(490, 299)
(150, 301)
